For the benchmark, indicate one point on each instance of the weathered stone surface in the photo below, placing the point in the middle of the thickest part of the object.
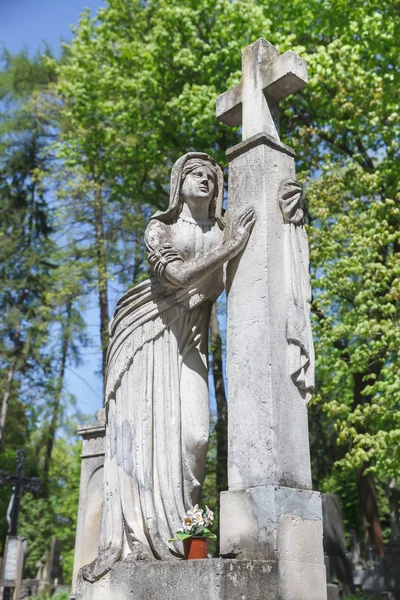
(267, 78)
(268, 427)
(90, 494)
(281, 525)
(390, 564)
(268, 522)
(334, 592)
(156, 389)
(269, 511)
(213, 579)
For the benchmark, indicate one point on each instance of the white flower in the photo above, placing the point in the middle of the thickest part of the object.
(196, 520)
(195, 512)
(209, 516)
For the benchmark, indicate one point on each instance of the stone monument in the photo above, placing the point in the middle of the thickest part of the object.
(90, 495)
(156, 394)
(269, 511)
(339, 569)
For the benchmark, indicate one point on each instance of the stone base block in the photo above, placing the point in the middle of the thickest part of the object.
(271, 523)
(278, 524)
(212, 579)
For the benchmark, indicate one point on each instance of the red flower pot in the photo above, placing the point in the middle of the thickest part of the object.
(195, 547)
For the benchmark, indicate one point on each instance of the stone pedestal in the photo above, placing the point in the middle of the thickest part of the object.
(90, 495)
(281, 525)
(212, 579)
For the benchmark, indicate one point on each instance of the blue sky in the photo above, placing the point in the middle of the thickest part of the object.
(31, 22)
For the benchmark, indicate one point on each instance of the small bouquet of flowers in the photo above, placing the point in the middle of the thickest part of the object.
(195, 524)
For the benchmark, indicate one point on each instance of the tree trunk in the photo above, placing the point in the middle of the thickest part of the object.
(365, 482)
(394, 509)
(221, 427)
(6, 398)
(66, 336)
(10, 378)
(102, 278)
(369, 509)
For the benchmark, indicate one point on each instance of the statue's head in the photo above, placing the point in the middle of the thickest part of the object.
(195, 177)
(199, 179)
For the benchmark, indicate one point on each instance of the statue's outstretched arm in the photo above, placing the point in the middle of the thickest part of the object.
(189, 272)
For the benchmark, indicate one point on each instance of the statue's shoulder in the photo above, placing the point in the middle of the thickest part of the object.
(157, 233)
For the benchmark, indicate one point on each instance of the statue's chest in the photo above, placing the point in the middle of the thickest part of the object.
(192, 239)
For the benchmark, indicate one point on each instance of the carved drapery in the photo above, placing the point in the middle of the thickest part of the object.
(298, 332)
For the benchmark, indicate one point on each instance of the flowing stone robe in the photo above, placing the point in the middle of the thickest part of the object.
(298, 290)
(157, 401)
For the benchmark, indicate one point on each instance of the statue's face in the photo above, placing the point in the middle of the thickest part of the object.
(198, 185)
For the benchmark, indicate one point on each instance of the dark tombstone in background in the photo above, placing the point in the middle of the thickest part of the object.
(49, 573)
(338, 565)
(391, 559)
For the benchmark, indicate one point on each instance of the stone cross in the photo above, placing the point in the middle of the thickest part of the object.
(269, 512)
(267, 79)
(18, 482)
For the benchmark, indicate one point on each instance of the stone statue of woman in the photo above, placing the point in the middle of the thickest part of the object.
(157, 405)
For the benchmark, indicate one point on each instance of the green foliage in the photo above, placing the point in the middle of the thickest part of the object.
(54, 516)
(35, 286)
(25, 221)
(180, 536)
(356, 305)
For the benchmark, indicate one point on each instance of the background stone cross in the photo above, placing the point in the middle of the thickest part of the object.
(18, 482)
(267, 78)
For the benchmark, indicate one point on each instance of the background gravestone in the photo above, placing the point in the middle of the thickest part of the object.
(90, 495)
(338, 565)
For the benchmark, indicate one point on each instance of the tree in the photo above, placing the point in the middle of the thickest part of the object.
(54, 515)
(38, 284)
(25, 223)
(68, 328)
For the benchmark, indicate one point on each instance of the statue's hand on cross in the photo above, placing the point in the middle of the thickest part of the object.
(238, 231)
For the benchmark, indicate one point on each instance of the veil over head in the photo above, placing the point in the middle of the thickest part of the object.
(177, 173)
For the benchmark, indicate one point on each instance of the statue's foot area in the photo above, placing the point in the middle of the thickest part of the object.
(138, 552)
(101, 565)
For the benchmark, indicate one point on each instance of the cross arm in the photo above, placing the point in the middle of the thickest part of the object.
(7, 478)
(267, 78)
(33, 484)
(285, 75)
(229, 106)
